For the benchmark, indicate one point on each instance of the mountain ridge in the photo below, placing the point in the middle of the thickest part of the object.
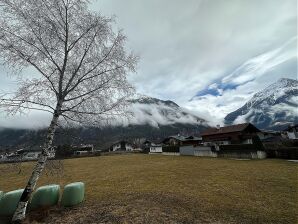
(274, 107)
(151, 118)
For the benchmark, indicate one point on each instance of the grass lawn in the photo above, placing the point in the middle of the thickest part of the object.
(139, 188)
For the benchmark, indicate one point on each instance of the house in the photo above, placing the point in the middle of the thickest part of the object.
(292, 132)
(31, 155)
(266, 136)
(179, 140)
(84, 147)
(2, 157)
(240, 141)
(81, 153)
(122, 146)
(152, 147)
(233, 134)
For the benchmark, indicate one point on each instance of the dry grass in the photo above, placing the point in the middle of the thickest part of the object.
(173, 189)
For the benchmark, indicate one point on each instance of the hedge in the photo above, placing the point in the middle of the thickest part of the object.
(170, 149)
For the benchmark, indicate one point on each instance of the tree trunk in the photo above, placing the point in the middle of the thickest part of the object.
(20, 212)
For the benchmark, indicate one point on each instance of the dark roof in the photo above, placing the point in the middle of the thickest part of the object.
(152, 141)
(183, 138)
(272, 139)
(270, 132)
(121, 141)
(291, 127)
(228, 129)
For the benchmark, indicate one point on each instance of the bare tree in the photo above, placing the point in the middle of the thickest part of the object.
(82, 64)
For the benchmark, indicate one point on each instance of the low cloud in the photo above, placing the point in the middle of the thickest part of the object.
(157, 114)
(252, 76)
(224, 50)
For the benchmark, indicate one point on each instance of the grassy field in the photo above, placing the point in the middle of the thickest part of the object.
(173, 189)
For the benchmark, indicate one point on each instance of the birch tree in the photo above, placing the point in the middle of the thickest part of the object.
(82, 64)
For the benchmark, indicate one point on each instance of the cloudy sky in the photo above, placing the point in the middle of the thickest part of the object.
(208, 56)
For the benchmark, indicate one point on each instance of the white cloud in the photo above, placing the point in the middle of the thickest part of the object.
(35, 119)
(263, 70)
(157, 114)
(185, 45)
(263, 63)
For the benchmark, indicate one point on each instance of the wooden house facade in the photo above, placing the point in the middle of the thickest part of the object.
(235, 141)
(234, 134)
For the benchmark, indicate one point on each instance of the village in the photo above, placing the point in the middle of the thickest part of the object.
(148, 112)
(241, 141)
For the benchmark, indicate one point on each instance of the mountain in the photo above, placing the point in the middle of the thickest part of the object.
(273, 108)
(156, 112)
(148, 118)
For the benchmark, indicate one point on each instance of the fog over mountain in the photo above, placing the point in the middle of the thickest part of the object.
(148, 118)
(156, 112)
(207, 56)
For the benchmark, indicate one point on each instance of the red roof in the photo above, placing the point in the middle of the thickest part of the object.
(227, 129)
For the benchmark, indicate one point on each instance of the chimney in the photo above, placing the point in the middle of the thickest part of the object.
(218, 127)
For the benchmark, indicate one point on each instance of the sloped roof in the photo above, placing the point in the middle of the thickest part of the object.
(291, 127)
(153, 141)
(183, 138)
(227, 129)
(120, 141)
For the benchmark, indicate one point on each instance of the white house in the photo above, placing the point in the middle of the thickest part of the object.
(31, 155)
(152, 147)
(155, 148)
(122, 146)
(292, 132)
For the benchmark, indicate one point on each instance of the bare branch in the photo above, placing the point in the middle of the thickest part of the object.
(12, 101)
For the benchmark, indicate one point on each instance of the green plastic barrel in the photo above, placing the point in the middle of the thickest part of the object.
(73, 194)
(45, 196)
(9, 202)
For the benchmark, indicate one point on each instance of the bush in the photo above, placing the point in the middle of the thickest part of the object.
(238, 147)
(64, 151)
(283, 153)
(286, 149)
(170, 149)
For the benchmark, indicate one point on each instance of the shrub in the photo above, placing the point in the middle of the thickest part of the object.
(170, 149)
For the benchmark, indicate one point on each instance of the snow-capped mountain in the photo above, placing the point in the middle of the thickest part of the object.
(274, 108)
(156, 112)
